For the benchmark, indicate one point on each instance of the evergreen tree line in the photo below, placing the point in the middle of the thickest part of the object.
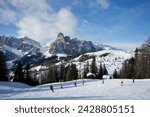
(23, 75)
(70, 72)
(62, 73)
(138, 67)
(19, 74)
(53, 74)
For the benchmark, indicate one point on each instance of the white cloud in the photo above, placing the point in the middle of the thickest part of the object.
(37, 20)
(31, 5)
(47, 27)
(103, 3)
(6, 14)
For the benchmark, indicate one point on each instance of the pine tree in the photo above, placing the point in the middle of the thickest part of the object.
(105, 72)
(3, 68)
(115, 74)
(139, 66)
(72, 73)
(18, 72)
(56, 76)
(124, 70)
(93, 66)
(26, 75)
(68, 74)
(100, 72)
(62, 72)
(86, 70)
(28, 78)
(129, 70)
(65, 72)
(51, 75)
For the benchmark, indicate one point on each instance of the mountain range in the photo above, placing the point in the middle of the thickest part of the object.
(62, 48)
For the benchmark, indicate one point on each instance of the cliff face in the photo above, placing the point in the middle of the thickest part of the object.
(66, 45)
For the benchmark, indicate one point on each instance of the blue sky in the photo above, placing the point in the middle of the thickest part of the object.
(120, 23)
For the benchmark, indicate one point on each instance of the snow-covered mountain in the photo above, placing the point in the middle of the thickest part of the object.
(29, 51)
(63, 44)
(15, 48)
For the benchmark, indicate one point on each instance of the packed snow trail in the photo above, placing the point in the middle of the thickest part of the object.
(91, 90)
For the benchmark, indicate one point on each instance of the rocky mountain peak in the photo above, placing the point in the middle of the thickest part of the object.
(60, 35)
(66, 45)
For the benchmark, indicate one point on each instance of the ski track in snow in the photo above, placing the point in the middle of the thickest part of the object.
(91, 90)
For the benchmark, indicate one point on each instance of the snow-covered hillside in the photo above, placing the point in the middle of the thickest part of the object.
(92, 89)
(113, 59)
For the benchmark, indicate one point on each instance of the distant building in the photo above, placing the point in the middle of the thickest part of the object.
(107, 77)
(91, 76)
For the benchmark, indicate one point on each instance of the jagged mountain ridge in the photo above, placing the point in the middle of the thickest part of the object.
(66, 45)
(15, 48)
(26, 49)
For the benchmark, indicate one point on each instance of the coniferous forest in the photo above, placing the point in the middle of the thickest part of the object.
(138, 67)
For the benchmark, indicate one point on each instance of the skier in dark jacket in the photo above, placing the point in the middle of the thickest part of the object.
(51, 87)
(75, 84)
(83, 82)
(122, 83)
(103, 82)
(133, 80)
(61, 86)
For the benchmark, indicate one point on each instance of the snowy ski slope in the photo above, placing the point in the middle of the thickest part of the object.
(91, 90)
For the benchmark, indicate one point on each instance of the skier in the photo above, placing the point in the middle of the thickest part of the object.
(103, 82)
(51, 87)
(61, 86)
(75, 84)
(133, 80)
(83, 82)
(122, 83)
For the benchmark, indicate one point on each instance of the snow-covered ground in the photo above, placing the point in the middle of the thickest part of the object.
(92, 89)
(47, 54)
